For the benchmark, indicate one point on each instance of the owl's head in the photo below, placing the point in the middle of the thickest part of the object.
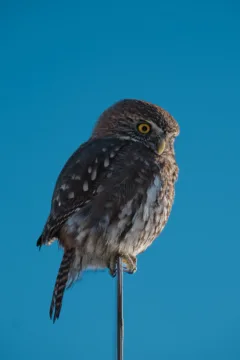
(139, 121)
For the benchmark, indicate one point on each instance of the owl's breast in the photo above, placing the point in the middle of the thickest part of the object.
(134, 227)
(150, 217)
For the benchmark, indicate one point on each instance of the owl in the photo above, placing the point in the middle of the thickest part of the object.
(114, 195)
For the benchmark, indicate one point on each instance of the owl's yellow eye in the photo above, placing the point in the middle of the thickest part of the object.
(144, 128)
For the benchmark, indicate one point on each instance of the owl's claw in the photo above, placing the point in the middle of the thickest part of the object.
(113, 266)
(129, 264)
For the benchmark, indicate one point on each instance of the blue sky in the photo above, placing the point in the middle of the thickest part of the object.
(62, 63)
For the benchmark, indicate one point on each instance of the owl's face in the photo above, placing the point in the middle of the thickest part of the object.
(141, 122)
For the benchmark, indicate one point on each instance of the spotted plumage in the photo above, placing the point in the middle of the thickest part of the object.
(115, 193)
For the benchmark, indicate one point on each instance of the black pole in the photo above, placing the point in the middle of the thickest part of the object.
(120, 324)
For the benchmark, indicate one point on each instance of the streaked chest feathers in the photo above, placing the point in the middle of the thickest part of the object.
(132, 230)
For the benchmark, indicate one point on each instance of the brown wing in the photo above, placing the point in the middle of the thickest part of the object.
(101, 174)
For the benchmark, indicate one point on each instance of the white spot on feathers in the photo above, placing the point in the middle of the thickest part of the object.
(100, 189)
(85, 186)
(71, 195)
(106, 162)
(76, 177)
(94, 174)
(64, 187)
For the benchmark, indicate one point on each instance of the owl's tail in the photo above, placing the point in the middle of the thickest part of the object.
(61, 282)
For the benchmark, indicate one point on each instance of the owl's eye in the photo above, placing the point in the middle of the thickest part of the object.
(144, 128)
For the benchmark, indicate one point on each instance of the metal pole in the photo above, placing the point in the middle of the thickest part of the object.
(120, 325)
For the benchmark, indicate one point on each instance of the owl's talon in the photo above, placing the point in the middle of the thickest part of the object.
(130, 263)
(113, 266)
(113, 272)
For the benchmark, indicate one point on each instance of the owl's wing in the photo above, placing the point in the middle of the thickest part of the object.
(99, 178)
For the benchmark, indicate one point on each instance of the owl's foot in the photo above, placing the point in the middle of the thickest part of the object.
(113, 266)
(129, 264)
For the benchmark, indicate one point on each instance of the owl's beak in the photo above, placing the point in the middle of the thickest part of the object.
(161, 146)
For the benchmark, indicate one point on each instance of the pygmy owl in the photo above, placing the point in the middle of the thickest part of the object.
(115, 193)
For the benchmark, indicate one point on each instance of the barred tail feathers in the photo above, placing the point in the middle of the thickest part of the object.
(61, 283)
